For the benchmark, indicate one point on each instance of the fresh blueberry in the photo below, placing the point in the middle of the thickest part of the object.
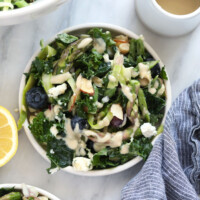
(155, 70)
(82, 123)
(37, 98)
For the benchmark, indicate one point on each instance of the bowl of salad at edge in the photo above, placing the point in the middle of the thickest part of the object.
(19, 11)
(24, 192)
(93, 100)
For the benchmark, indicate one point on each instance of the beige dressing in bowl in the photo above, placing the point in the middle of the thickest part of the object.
(179, 7)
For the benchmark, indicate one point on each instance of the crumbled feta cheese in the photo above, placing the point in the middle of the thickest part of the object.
(144, 71)
(58, 90)
(105, 99)
(82, 164)
(148, 130)
(54, 130)
(52, 171)
(52, 151)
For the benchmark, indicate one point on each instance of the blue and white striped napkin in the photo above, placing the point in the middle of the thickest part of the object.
(172, 170)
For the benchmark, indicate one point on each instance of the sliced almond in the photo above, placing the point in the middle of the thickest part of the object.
(117, 111)
(124, 48)
(86, 86)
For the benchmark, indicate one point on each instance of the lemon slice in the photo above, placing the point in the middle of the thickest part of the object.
(8, 136)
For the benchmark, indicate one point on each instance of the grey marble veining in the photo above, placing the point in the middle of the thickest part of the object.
(18, 43)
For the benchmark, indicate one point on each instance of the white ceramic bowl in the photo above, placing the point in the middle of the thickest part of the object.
(35, 10)
(41, 191)
(115, 30)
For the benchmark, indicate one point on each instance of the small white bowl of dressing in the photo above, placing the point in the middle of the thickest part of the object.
(31, 12)
(20, 187)
(78, 30)
(169, 18)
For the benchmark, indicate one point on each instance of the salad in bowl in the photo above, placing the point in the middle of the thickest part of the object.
(23, 192)
(93, 100)
(19, 11)
(6, 5)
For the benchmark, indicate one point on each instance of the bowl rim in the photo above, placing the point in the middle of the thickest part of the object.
(19, 186)
(33, 8)
(82, 27)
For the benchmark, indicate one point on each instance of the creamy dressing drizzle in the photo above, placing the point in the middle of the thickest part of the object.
(127, 92)
(49, 114)
(73, 138)
(108, 139)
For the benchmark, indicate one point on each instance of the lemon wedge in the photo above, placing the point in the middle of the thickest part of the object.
(8, 136)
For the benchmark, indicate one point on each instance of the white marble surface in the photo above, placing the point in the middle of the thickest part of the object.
(17, 44)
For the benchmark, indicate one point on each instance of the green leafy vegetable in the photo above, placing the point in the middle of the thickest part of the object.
(62, 156)
(156, 107)
(64, 99)
(86, 104)
(121, 99)
(12, 196)
(111, 157)
(40, 66)
(163, 74)
(106, 36)
(68, 55)
(4, 191)
(91, 64)
(40, 128)
(66, 39)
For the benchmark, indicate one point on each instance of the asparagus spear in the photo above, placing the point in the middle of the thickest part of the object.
(143, 105)
(72, 52)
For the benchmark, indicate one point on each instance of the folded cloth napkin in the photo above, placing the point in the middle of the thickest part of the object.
(172, 170)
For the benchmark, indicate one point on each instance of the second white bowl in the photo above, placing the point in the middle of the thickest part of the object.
(35, 10)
